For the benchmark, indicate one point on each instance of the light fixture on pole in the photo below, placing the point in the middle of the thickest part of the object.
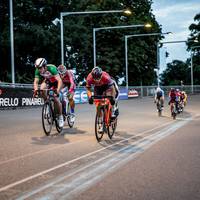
(126, 51)
(63, 14)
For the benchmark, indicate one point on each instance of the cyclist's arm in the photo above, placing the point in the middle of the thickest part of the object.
(71, 80)
(35, 84)
(57, 77)
(89, 92)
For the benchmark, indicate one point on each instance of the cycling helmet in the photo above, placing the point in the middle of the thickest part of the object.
(158, 89)
(96, 73)
(40, 62)
(62, 69)
(172, 89)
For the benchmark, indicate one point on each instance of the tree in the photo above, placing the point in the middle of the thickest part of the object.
(176, 72)
(194, 47)
(35, 36)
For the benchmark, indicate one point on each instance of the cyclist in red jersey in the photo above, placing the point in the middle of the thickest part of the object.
(103, 85)
(50, 79)
(69, 86)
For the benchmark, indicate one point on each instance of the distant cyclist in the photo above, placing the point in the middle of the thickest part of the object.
(183, 97)
(159, 96)
(69, 86)
(48, 74)
(173, 98)
(103, 85)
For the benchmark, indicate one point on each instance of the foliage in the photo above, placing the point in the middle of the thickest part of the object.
(176, 72)
(36, 36)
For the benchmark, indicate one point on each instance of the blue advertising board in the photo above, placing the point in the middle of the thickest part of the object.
(81, 95)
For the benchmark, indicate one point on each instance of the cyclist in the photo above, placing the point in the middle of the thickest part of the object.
(159, 96)
(178, 94)
(183, 98)
(103, 85)
(51, 79)
(69, 86)
(173, 98)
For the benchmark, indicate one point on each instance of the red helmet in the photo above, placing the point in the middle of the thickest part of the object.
(96, 73)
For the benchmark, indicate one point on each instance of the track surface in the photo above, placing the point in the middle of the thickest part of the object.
(150, 157)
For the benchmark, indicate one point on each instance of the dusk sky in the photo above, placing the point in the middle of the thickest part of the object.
(175, 16)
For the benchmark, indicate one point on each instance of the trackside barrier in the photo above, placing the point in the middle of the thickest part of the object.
(13, 96)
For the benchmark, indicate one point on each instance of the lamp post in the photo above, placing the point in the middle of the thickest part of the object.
(184, 41)
(63, 14)
(191, 57)
(12, 43)
(126, 52)
(105, 28)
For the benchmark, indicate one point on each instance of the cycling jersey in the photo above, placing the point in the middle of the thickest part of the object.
(105, 80)
(173, 96)
(49, 74)
(159, 94)
(68, 80)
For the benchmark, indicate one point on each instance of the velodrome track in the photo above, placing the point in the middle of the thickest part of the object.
(150, 157)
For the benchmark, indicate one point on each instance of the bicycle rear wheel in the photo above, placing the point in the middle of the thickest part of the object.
(47, 118)
(99, 124)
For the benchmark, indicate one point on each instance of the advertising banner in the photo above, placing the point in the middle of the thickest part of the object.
(22, 97)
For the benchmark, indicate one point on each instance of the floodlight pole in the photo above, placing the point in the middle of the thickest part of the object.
(12, 43)
(105, 28)
(126, 52)
(63, 14)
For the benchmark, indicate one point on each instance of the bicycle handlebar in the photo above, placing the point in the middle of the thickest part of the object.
(101, 96)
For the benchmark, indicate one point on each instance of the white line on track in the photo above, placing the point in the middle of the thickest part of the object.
(76, 159)
(88, 177)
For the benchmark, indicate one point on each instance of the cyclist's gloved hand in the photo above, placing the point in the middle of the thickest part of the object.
(112, 101)
(90, 100)
(56, 93)
(35, 93)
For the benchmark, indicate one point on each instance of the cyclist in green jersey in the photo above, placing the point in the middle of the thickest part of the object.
(50, 79)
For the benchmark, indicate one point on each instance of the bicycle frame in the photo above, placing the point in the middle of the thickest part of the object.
(105, 102)
(103, 117)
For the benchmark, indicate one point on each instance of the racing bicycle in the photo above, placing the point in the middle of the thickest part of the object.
(66, 109)
(50, 113)
(173, 110)
(103, 120)
(159, 107)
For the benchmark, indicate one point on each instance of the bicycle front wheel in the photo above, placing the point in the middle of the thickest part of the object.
(47, 118)
(99, 125)
(70, 117)
(58, 128)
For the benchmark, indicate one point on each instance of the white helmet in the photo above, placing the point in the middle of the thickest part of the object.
(158, 89)
(40, 62)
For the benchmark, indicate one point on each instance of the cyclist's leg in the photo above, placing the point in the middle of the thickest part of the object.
(71, 101)
(58, 105)
(43, 88)
(162, 101)
(112, 92)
